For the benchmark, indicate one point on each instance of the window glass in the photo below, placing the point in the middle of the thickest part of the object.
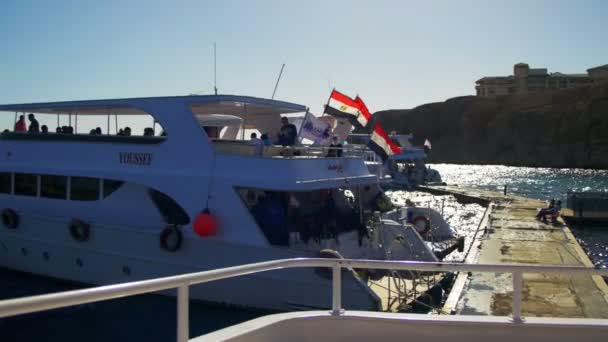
(172, 212)
(5, 182)
(26, 184)
(84, 189)
(109, 186)
(53, 186)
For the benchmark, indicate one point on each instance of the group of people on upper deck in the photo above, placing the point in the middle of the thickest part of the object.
(287, 136)
(21, 126)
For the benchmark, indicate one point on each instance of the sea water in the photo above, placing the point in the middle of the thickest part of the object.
(153, 317)
(539, 183)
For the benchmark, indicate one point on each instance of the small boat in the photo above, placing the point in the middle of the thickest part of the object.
(191, 194)
(405, 170)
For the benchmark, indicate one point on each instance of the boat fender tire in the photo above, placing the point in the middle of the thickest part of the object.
(171, 239)
(418, 222)
(80, 230)
(10, 218)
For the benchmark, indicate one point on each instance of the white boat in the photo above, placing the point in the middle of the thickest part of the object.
(405, 170)
(103, 208)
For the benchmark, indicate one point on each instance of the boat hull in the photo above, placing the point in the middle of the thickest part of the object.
(113, 255)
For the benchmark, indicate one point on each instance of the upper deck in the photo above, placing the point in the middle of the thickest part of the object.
(183, 131)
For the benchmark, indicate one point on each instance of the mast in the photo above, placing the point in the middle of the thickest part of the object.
(278, 79)
(215, 68)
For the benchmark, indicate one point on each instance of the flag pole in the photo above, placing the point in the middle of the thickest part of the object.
(302, 126)
(215, 68)
(328, 99)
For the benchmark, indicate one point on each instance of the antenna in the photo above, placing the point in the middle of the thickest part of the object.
(214, 68)
(278, 79)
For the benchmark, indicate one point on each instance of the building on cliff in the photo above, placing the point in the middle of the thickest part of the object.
(525, 80)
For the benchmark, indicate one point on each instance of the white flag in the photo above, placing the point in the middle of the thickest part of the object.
(427, 143)
(342, 129)
(316, 130)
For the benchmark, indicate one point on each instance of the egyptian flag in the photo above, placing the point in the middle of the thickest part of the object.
(342, 106)
(380, 143)
(365, 116)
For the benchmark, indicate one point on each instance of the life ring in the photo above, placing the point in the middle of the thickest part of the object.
(80, 230)
(10, 218)
(171, 239)
(421, 224)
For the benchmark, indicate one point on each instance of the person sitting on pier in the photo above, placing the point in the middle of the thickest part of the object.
(553, 210)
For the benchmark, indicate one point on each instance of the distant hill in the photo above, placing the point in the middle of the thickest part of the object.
(565, 128)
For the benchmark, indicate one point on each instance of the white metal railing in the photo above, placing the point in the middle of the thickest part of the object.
(12, 307)
(296, 151)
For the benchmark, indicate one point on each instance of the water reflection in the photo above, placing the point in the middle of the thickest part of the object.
(540, 183)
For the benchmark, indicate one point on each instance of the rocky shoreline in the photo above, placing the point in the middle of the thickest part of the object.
(562, 129)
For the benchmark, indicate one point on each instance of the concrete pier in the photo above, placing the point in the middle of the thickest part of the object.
(510, 234)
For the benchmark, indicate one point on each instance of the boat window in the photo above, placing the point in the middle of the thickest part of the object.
(5, 182)
(84, 189)
(109, 186)
(131, 128)
(172, 212)
(313, 214)
(26, 184)
(53, 186)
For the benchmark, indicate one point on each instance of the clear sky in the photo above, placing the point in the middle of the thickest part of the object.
(394, 54)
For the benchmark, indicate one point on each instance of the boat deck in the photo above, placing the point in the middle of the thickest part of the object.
(512, 235)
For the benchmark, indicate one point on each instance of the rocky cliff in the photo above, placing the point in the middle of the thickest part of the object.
(565, 128)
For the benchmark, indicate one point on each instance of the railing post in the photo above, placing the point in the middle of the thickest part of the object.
(183, 330)
(517, 296)
(337, 289)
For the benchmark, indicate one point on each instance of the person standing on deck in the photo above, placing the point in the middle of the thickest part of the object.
(335, 148)
(34, 126)
(266, 139)
(20, 124)
(258, 144)
(288, 133)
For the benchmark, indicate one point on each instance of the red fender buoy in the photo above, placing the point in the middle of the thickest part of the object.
(205, 224)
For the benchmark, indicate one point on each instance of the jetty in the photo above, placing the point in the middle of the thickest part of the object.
(510, 234)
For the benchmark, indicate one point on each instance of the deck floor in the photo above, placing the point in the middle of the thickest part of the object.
(514, 236)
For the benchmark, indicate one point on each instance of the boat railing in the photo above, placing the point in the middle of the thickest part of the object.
(245, 148)
(182, 283)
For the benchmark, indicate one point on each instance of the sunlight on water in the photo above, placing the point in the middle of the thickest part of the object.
(541, 183)
(462, 218)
